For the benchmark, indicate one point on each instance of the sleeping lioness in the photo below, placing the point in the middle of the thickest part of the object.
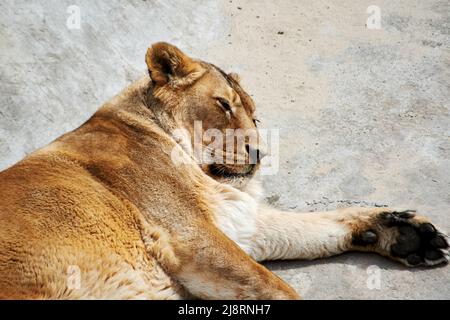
(105, 212)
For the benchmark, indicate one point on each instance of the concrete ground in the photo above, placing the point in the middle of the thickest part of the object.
(363, 113)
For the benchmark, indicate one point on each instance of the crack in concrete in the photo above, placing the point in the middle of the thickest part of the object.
(326, 202)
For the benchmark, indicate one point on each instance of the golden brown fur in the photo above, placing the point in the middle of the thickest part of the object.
(108, 199)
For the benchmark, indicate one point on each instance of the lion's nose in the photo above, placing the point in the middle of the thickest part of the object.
(256, 153)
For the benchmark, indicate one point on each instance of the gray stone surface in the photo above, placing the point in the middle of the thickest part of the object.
(363, 114)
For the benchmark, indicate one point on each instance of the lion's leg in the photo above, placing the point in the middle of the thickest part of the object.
(214, 267)
(399, 235)
(211, 266)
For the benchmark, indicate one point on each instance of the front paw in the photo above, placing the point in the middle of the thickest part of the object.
(404, 237)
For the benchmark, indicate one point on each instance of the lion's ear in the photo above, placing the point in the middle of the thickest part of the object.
(168, 64)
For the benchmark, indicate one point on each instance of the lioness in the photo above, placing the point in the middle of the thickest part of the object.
(105, 212)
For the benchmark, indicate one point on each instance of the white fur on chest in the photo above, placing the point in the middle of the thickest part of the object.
(235, 213)
(234, 210)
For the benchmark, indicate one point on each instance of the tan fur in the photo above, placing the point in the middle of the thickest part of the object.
(108, 199)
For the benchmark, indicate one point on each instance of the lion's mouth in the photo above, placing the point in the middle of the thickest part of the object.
(232, 171)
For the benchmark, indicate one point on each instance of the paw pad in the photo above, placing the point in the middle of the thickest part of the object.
(417, 243)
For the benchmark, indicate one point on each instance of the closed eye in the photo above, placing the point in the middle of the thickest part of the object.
(224, 104)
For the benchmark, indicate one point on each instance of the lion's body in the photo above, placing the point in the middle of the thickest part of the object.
(71, 205)
(103, 212)
(59, 212)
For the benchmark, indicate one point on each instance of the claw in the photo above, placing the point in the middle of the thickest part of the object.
(407, 214)
(427, 228)
(433, 255)
(439, 242)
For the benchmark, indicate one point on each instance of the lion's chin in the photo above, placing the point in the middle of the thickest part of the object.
(234, 171)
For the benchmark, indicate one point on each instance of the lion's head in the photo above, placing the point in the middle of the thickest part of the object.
(211, 107)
